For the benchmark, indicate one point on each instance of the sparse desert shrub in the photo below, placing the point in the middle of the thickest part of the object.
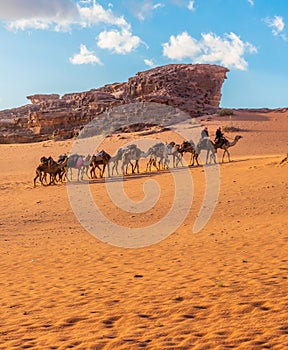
(225, 111)
(227, 128)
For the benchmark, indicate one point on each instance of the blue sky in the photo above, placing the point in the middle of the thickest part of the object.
(63, 46)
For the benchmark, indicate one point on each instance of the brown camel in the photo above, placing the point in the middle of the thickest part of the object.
(49, 167)
(101, 158)
(189, 147)
(227, 144)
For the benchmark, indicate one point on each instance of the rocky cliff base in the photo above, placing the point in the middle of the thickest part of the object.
(193, 89)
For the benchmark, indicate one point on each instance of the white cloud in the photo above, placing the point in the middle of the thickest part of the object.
(38, 14)
(149, 63)
(58, 15)
(228, 51)
(191, 5)
(276, 23)
(181, 46)
(144, 9)
(20, 9)
(121, 42)
(251, 2)
(97, 14)
(85, 57)
(61, 15)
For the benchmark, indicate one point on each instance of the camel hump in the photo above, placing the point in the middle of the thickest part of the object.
(61, 158)
(100, 153)
(159, 144)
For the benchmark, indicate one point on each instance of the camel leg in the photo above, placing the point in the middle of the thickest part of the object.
(225, 151)
(133, 167)
(35, 178)
(115, 167)
(43, 178)
(52, 179)
(137, 166)
(148, 166)
(63, 174)
(179, 160)
(207, 156)
(102, 173)
(166, 163)
(85, 170)
(125, 168)
(93, 172)
(196, 159)
(213, 156)
(70, 174)
(192, 160)
(175, 160)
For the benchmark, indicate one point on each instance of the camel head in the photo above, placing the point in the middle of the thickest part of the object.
(238, 137)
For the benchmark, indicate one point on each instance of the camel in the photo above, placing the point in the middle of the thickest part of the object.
(49, 166)
(115, 159)
(189, 147)
(227, 144)
(75, 161)
(79, 162)
(209, 146)
(101, 158)
(132, 153)
(173, 149)
(85, 166)
(160, 151)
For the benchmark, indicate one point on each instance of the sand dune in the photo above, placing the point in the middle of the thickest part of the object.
(224, 287)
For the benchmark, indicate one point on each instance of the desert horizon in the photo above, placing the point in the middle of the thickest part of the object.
(220, 288)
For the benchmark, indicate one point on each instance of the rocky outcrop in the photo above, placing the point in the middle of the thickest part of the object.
(194, 89)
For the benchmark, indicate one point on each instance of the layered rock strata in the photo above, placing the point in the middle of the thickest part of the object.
(194, 89)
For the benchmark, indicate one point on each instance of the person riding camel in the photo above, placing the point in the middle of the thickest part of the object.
(204, 137)
(205, 133)
(220, 138)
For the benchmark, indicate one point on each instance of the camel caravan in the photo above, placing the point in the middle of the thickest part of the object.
(51, 172)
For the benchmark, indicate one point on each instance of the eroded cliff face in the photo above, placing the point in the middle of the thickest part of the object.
(194, 89)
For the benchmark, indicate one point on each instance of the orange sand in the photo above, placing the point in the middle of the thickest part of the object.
(225, 287)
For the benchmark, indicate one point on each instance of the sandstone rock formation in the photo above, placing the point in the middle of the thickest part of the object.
(194, 89)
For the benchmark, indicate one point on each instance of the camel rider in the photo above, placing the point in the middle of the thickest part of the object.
(204, 137)
(204, 133)
(219, 139)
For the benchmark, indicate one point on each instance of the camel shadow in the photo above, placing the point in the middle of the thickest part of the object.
(131, 177)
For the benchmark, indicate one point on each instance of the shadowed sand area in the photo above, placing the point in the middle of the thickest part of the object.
(223, 288)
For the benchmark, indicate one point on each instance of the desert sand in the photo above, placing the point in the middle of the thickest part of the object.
(224, 287)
